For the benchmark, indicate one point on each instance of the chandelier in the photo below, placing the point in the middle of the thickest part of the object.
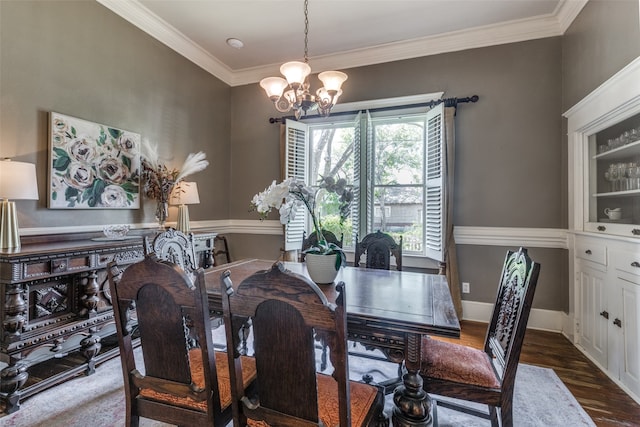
(296, 73)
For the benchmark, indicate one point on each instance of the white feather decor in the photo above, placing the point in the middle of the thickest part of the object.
(159, 179)
(149, 152)
(194, 163)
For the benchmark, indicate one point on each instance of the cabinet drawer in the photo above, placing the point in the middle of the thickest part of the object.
(592, 251)
(627, 265)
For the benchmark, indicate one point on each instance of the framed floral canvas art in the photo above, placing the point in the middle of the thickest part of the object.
(92, 166)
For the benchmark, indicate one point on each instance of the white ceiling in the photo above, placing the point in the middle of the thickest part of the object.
(342, 33)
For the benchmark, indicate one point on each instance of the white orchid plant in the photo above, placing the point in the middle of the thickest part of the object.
(289, 195)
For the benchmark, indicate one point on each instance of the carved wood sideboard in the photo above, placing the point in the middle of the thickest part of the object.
(56, 312)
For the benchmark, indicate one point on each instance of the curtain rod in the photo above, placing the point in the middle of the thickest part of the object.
(448, 102)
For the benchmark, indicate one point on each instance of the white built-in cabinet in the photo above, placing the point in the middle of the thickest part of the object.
(607, 278)
(604, 248)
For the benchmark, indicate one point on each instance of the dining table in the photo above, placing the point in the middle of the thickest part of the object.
(386, 309)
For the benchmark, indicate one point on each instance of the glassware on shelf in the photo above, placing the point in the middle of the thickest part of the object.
(623, 176)
(625, 138)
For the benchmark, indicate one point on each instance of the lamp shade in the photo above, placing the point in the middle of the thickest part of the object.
(332, 80)
(273, 86)
(185, 193)
(18, 180)
(295, 72)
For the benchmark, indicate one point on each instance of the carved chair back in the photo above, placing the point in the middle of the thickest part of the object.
(179, 384)
(510, 315)
(312, 240)
(288, 311)
(487, 376)
(177, 247)
(378, 248)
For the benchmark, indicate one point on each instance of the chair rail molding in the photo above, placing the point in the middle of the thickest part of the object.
(510, 236)
(465, 235)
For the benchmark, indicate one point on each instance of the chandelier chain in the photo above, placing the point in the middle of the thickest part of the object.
(306, 31)
(293, 91)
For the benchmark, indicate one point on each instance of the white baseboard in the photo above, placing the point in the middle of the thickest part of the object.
(547, 320)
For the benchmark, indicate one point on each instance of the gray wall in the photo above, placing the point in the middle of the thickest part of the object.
(508, 153)
(511, 146)
(79, 58)
(601, 40)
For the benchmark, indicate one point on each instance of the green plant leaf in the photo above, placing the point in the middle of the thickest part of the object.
(130, 187)
(61, 163)
(70, 193)
(126, 161)
(115, 133)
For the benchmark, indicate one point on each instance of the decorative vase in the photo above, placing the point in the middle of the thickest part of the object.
(321, 268)
(162, 212)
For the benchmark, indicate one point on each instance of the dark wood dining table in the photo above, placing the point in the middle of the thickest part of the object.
(388, 310)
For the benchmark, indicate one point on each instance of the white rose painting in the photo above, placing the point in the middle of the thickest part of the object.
(92, 165)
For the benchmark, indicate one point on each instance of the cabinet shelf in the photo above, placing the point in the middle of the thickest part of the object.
(620, 153)
(618, 193)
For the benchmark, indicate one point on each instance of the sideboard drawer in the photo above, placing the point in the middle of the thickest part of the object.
(40, 269)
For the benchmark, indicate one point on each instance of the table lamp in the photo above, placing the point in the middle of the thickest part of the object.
(17, 182)
(183, 194)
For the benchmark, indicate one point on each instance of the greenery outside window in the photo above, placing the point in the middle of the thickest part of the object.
(392, 162)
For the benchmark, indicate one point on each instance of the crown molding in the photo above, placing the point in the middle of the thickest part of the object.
(567, 11)
(554, 24)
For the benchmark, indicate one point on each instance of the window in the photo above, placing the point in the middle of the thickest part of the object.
(393, 163)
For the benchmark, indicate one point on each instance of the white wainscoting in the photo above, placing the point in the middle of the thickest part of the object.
(546, 320)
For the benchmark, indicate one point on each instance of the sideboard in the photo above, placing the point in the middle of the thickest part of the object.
(55, 308)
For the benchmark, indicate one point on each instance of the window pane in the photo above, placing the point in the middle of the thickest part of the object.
(332, 155)
(398, 151)
(399, 212)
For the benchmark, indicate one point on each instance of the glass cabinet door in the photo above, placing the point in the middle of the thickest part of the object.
(614, 174)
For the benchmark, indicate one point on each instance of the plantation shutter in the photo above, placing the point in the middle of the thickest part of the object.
(355, 206)
(296, 147)
(434, 206)
(369, 174)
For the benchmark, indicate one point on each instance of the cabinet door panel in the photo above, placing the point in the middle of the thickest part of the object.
(630, 365)
(593, 324)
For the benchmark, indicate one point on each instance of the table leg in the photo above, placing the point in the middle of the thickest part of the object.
(412, 403)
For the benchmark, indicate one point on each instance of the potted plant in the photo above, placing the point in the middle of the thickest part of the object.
(288, 196)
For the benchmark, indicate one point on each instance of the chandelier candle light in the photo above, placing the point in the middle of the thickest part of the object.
(296, 80)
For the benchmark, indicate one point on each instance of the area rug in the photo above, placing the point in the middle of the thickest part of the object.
(541, 399)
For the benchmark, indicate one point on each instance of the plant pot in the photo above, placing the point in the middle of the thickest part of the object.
(321, 268)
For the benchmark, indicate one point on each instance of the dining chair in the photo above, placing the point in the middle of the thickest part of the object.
(312, 240)
(486, 376)
(175, 246)
(288, 311)
(378, 248)
(171, 380)
(178, 247)
(221, 253)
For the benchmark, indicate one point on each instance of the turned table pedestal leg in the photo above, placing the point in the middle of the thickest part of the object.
(412, 403)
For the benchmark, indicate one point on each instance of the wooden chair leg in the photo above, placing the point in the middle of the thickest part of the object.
(493, 415)
(506, 415)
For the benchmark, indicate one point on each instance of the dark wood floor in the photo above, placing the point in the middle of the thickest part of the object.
(600, 397)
